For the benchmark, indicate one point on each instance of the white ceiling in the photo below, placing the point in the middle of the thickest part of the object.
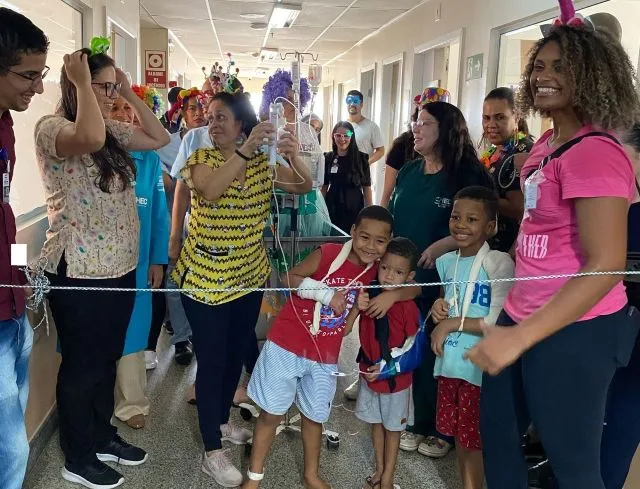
(324, 27)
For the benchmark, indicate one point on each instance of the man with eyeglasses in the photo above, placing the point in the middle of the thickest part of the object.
(23, 54)
(368, 135)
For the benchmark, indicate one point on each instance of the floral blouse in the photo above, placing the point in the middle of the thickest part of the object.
(97, 232)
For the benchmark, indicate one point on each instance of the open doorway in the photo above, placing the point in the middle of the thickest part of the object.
(437, 64)
(367, 87)
(390, 116)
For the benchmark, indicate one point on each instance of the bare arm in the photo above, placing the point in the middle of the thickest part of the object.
(390, 177)
(351, 320)
(211, 183)
(513, 205)
(368, 196)
(297, 179)
(602, 227)
(324, 190)
(87, 134)
(151, 134)
(302, 270)
(178, 212)
(377, 154)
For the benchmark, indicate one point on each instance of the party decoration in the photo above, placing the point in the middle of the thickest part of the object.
(279, 85)
(491, 154)
(99, 45)
(183, 97)
(432, 94)
(568, 16)
(151, 97)
(222, 81)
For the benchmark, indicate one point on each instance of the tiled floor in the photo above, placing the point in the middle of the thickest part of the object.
(173, 442)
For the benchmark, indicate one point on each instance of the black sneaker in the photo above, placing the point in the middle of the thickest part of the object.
(184, 353)
(121, 452)
(97, 475)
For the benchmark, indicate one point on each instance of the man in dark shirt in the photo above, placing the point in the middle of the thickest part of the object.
(23, 54)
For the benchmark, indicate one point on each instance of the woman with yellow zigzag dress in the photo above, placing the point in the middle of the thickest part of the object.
(224, 251)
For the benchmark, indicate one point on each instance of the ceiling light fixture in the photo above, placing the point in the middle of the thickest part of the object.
(267, 54)
(284, 15)
(252, 16)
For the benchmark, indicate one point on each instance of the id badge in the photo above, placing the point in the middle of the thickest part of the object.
(6, 184)
(531, 190)
(334, 168)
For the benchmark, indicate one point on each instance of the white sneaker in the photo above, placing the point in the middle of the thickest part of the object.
(351, 392)
(409, 442)
(219, 466)
(150, 359)
(434, 447)
(235, 434)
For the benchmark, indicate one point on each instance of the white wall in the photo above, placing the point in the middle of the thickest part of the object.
(476, 17)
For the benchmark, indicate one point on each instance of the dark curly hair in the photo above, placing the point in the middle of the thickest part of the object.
(600, 71)
(116, 169)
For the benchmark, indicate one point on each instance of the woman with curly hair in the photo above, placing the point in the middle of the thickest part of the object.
(557, 344)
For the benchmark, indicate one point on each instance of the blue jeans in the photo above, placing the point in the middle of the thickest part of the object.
(16, 340)
(179, 321)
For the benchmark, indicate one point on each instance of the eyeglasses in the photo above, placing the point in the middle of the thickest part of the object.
(31, 76)
(343, 136)
(419, 123)
(110, 89)
(353, 100)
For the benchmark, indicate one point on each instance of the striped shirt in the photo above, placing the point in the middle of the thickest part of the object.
(225, 247)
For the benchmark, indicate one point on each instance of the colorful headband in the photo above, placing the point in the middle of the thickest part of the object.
(149, 96)
(224, 80)
(432, 94)
(183, 96)
(99, 45)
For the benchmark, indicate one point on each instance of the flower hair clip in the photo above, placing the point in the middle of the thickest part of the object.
(99, 45)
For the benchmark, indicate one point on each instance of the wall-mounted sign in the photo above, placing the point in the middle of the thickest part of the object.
(155, 73)
(474, 66)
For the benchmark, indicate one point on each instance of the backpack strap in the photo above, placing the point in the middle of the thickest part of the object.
(571, 143)
(382, 335)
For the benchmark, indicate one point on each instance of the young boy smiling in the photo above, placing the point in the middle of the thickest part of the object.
(461, 318)
(299, 360)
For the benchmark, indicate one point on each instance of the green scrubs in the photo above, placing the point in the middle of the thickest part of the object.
(421, 206)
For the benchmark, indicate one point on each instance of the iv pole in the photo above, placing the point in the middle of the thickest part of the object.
(290, 423)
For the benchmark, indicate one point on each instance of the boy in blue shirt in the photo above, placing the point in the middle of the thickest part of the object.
(461, 318)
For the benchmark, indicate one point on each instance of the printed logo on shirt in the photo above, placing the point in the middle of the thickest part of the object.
(442, 202)
(330, 323)
(142, 201)
(534, 245)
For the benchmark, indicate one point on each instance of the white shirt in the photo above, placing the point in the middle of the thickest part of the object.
(368, 136)
(168, 153)
(194, 139)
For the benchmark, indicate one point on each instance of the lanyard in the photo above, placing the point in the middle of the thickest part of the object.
(6, 175)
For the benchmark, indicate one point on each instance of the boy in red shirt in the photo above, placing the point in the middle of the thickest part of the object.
(386, 403)
(299, 360)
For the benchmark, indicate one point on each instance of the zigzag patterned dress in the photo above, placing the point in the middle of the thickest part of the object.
(225, 247)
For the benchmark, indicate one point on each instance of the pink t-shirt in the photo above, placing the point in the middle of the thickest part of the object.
(548, 242)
